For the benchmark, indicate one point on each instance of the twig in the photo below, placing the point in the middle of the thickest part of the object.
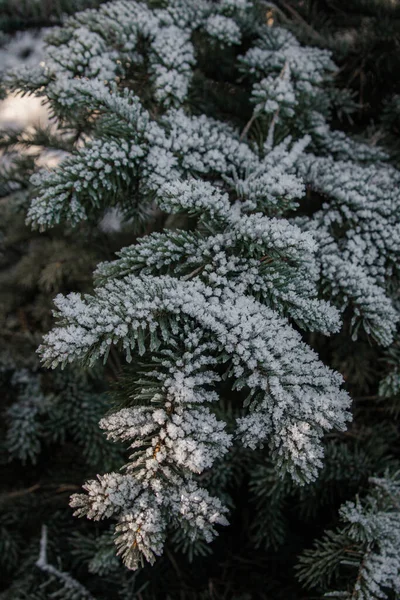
(23, 492)
(61, 488)
(193, 273)
(67, 487)
(300, 19)
(271, 130)
(66, 578)
(248, 125)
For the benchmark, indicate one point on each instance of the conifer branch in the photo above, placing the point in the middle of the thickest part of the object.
(65, 578)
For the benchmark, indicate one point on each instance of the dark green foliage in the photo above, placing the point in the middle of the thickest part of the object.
(50, 436)
(364, 36)
(23, 14)
(356, 544)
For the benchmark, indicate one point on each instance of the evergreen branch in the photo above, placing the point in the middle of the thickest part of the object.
(65, 578)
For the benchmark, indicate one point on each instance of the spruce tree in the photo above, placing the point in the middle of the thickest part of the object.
(258, 259)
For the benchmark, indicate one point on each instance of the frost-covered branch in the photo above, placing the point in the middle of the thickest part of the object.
(212, 304)
(68, 582)
(367, 543)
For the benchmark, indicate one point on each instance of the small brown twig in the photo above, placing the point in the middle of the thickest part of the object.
(247, 126)
(24, 492)
(193, 273)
